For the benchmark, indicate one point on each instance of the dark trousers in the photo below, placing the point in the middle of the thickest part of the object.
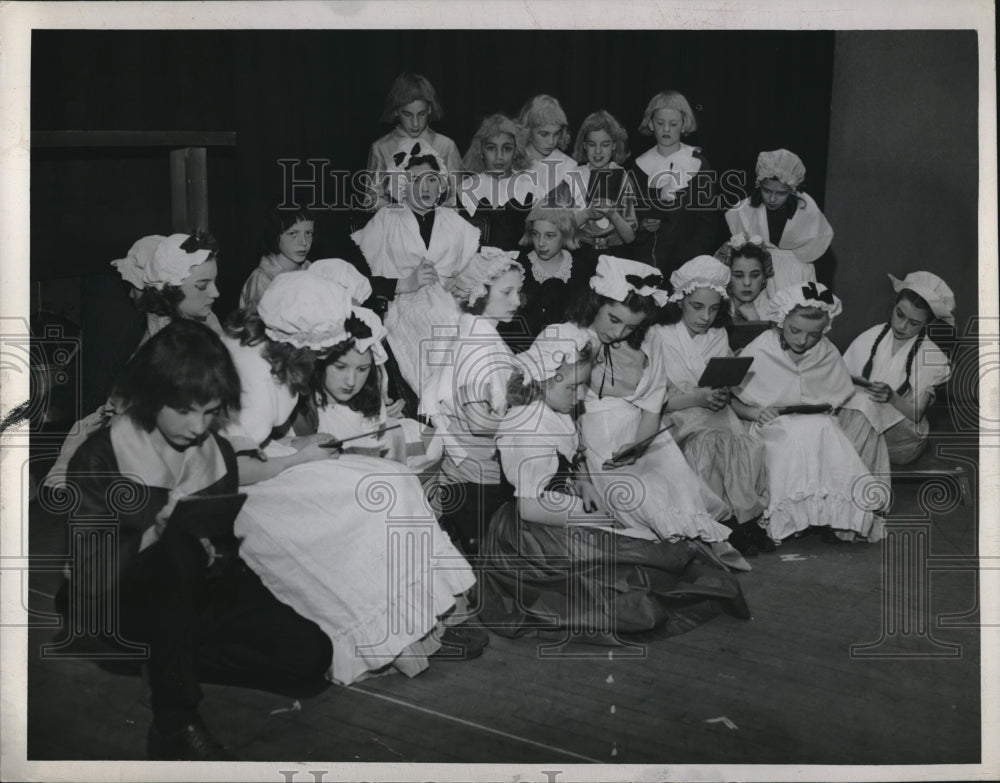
(217, 624)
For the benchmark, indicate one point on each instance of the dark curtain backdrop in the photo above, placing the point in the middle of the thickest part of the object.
(319, 94)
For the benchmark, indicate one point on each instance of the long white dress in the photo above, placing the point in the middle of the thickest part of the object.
(716, 444)
(349, 543)
(815, 475)
(417, 321)
(805, 238)
(659, 496)
(930, 368)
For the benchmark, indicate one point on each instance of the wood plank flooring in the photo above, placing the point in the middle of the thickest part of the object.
(786, 680)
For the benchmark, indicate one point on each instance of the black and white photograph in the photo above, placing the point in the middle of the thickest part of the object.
(499, 391)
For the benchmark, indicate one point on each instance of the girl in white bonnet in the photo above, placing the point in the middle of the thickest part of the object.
(789, 220)
(713, 439)
(467, 397)
(624, 403)
(815, 476)
(898, 367)
(560, 539)
(170, 278)
(314, 526)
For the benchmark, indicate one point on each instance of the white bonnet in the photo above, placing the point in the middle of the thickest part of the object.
(345, 274)
(616, 278)
(155, 261)
(932, 289)
(782, 165)
(171, 264)
(135, 266)
(305, 309)
(483, 269)
(804, 295)
(700, 272)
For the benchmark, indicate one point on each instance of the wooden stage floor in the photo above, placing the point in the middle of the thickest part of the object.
(782, 688)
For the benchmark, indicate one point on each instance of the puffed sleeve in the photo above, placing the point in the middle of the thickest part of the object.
(253, 289)
(527, 464)
(259, 410)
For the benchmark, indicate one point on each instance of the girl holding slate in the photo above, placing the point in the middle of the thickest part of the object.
(713, 439)
(815, 476)
(627, 391)
(316, 526)
(898, 368)
(560, 540)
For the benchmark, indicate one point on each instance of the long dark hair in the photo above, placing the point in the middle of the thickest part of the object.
(583, 310)
(184, 363)
(917, 301)
(368, 400)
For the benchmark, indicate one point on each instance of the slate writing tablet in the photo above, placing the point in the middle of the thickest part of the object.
(634, 448)
(336, 443)
(821, 408)
(207, 516)
(724, 371)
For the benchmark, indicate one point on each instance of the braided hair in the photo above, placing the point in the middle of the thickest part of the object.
(918, 301)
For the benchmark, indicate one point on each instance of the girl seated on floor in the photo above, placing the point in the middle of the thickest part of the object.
(560, 540)
(468, 398)
(712, 437)
(316, 526)
(623, 406)
(815, 476)
(902, 366)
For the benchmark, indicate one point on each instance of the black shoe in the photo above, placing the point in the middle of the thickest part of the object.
(742, 543)
(829, 536)
(462, 643)
(190, 743)
(758, 536)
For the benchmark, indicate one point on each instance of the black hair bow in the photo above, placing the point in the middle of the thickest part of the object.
(652, 281)
(400, 156)
(357, 328)
(810, 291)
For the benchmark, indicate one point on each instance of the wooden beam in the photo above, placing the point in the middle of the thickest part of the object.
(103, 138)
(189, 189)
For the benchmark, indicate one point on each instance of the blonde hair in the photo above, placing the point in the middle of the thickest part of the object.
(543, 110)
(669, 99)
(601, 120)
(492, 126)
(559, 217)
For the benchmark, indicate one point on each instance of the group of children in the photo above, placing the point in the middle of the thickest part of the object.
(527, 418)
